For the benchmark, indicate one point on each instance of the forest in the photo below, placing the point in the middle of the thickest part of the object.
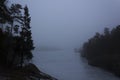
(15, 35)
(16, 44)
(103, 50)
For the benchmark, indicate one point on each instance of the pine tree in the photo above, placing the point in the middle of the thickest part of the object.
(26, 38)
(15, 40)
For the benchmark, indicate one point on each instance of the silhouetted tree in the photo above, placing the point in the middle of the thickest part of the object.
(103, 50)
(15, 38)
(27, 42)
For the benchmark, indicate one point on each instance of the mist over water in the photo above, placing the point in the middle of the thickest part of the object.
(69, 23)
(67, 65)
(59, 26)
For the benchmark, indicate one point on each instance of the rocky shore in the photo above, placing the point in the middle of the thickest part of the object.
(29, 72)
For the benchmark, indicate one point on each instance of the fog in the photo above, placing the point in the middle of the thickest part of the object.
(69, 23)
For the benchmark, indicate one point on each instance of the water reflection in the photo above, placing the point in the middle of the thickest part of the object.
(67, 65)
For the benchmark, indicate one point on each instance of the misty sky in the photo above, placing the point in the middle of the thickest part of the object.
(69, 23)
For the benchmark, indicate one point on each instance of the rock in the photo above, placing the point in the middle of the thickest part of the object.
(28, 72)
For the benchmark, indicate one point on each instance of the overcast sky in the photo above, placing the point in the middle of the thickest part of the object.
(69, 23)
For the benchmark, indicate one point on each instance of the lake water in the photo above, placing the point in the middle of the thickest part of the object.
(67, 65)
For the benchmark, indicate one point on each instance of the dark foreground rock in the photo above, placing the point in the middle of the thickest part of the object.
(29, 72)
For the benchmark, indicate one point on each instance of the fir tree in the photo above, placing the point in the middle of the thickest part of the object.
(27, 42)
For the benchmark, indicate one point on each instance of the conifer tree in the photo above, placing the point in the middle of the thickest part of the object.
(26, 38)
(15, 40)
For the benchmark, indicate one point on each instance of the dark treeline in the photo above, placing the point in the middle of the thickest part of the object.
(15, 35)
(103, 50)
(16, 44)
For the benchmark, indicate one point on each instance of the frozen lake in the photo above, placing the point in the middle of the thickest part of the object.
(67, 65)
